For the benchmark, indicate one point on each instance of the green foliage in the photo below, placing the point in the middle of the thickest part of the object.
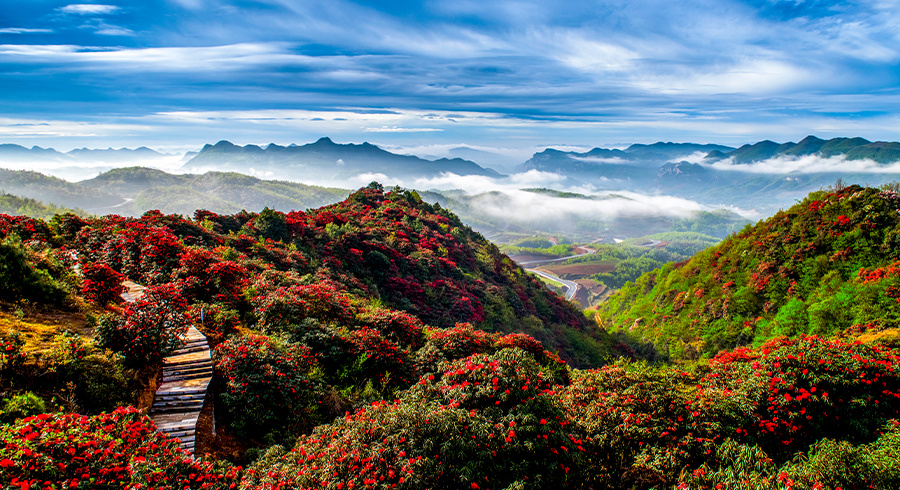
(20, 279)
(21, 406)
(23, 206)
(271, 225)
(95, 380)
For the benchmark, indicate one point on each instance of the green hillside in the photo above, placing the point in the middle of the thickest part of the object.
(825, 265)
(23, 206)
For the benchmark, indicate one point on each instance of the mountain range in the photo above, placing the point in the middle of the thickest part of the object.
(850, 148)
(21, 154)
(714, 176)
(328, 161)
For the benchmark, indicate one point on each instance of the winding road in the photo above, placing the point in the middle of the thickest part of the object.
(571, 286)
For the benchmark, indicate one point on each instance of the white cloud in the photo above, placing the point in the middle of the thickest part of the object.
(596, 56)
(396, 129)
(22, 30)
(807, 164)
(610, 160)
(114, 31)
(88, 9)
(752, 76)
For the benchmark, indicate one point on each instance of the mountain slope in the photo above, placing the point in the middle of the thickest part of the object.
(826, 264)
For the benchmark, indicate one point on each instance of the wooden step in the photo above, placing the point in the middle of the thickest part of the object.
(188, 350)
(186, 377)
(188, 363)
(176, 403)
(188, 370)
(176, 396)
(176, 410)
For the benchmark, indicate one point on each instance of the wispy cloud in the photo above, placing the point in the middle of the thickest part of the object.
(396, 129)
(110, 30)
(22, 30)
(88, 9)
(808, 164)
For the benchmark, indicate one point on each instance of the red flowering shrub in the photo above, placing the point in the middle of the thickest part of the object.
(453, 343)
(401, 327)
(101, 283)
(382, 361)
(290, 305)
(270, 384)
(24, 227)
(441, 434)
(805, 389)
(151, 326)
(215, 320)
(642, 425)
(11, 354)
(115, 450)
(204, 277)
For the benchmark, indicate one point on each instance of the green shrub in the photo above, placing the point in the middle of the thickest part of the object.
(20, 280)
(20, 406)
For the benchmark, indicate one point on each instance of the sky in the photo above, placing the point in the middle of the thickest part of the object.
(507, 77)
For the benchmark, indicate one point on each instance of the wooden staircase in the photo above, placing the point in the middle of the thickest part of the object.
(180, 397)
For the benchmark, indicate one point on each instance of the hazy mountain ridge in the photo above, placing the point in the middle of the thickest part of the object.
(851, 148)
(329, 161)
(18, 153)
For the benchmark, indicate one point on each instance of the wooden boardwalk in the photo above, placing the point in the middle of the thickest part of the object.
(186, 374)
(179, 398)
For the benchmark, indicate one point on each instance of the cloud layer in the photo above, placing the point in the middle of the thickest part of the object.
(601, 72)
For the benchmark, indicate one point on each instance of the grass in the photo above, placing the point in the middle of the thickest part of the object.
(38, 329)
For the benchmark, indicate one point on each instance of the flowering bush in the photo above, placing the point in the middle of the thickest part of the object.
(453, 343)
(115, 450)
(382, 361)
(203, 277)
(401, 327)
(442, 434)
(216, 321)
(292, 304)
(151, 327)
(101, 283)
(270, 384)
(805, 389)
(11, 354)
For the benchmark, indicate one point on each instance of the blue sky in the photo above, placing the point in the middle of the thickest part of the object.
(504, 76)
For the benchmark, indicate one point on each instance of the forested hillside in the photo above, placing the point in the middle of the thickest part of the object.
(827, 264)
(377, 343)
